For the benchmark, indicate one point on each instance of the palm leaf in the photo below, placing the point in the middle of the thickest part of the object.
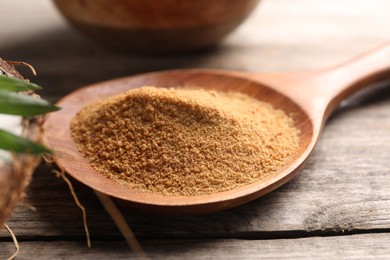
(18, 144)
(15, 104)
(16, 85)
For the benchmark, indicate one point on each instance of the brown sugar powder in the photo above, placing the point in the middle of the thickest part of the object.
(184, 141)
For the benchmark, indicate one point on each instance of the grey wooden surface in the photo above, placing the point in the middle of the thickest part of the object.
(337, 207)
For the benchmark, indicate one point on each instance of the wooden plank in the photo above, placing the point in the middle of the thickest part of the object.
(369, 246)
(346, 184)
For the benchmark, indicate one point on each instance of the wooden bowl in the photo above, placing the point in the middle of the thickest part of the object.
(156, 26)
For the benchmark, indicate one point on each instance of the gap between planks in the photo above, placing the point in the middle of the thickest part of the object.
(376, 246)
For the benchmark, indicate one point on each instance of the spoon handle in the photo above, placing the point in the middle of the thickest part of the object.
(319, 92)
(343, 80)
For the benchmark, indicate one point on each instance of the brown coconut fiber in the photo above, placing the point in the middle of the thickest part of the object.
(15, 175)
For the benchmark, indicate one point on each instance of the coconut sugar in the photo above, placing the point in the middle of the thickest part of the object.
(184, 141)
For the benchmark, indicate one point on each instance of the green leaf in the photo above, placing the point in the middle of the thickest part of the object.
(17, 144)
(16, 85)
(15, 104)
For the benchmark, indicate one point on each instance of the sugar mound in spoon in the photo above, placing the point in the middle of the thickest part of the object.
(184, 141)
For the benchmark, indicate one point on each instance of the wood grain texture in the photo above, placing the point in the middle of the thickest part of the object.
(279, 36)
(326, 195)
(345, 186)
(372, 246)
(313, 96)
(56, 136)
(166, 26)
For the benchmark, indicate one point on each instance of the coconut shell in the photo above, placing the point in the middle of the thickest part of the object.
(15, 174)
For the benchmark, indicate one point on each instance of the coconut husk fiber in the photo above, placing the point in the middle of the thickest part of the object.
(16, 172)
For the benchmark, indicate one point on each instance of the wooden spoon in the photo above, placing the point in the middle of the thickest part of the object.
(308, 97)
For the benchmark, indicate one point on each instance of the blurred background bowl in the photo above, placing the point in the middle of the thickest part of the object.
(156, 26)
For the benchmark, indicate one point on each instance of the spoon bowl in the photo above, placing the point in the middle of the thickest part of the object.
(307, 97)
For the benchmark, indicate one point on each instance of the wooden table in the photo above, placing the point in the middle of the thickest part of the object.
(337, 207)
